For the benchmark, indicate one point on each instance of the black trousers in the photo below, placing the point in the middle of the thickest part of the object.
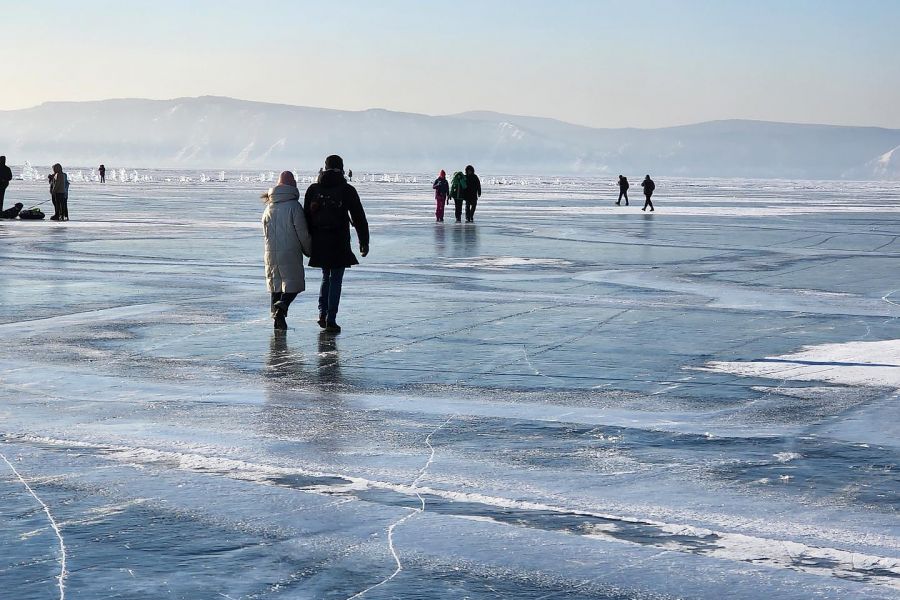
(285, 298)
(647, 201)
(470, 209)
(3, 187)
(458, 202)
(60, 207)
(623, 194)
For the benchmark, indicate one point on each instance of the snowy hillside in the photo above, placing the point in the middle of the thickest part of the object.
(229, 133)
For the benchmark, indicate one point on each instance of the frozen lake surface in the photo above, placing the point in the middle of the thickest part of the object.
(564, 400)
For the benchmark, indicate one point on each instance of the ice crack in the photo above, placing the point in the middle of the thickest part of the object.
(413, 512)
(61, 578)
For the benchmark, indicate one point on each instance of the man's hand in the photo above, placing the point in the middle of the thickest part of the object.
(363, 249)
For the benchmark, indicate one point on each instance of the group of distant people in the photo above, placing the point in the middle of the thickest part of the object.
(59, 195)
(320, 229)
(463, 187)
(648, 185)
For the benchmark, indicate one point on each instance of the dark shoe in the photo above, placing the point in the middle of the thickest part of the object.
(281, 307)
(457, 221)
(54, 218)
(280, 322)
(651, 210)
(617, 204)
(332, 327)
(645, 208)
(321, 321)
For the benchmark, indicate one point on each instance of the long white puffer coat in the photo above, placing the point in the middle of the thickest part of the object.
(287, 239)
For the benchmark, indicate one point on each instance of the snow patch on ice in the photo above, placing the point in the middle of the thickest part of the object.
(848, 363)
(818, 560)
(503, 262)
(785, 457)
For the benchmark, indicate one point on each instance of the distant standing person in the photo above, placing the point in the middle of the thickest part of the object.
(59, 186)
(623, 190)
(350, 175)
(331, 206)
(287, 240)
(441, 195)
(457, 192)
(472, 193)
(5, 178)
(648, 186)
(102, 170)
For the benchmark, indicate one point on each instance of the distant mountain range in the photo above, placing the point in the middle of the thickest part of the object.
(215, 132)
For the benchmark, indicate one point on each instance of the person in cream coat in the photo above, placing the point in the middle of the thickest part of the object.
(287, 240)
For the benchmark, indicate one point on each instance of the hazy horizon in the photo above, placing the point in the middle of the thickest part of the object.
(602, 64)
(381, 108)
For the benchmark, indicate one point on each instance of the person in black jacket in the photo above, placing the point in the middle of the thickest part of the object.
(331, 206)
(471, 193)
(5, 178)
(623, 190)
(648, 186)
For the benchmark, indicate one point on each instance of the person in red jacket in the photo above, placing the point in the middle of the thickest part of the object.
(441, 195)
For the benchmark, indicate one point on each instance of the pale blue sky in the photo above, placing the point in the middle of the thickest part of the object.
(602, 63)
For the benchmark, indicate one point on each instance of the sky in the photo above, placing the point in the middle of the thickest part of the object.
(602, 63)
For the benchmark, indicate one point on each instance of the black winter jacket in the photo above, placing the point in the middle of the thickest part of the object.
(441, 187)
(473, 187)
(331, 206)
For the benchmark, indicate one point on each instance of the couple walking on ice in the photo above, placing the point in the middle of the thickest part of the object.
(463, 187)
(320, 229)
(648, 186)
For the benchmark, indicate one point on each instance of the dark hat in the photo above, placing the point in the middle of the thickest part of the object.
(334, 162)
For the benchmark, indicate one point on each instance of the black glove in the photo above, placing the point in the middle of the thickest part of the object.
(364, 249)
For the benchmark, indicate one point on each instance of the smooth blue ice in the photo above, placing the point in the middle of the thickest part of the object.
(524, 407)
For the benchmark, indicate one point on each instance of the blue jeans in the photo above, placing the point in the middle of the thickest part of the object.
(330, 292)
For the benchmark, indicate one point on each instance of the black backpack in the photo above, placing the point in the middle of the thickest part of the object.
(327, 210)
(31, 214)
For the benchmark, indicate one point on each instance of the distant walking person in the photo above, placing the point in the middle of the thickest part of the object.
(287, 240)
(102, 170)
(457, 192)
(441, 195)
(59, 187)
(5, 178)
(623, 190)
(472, 193)
(331, 206)
(648, 186)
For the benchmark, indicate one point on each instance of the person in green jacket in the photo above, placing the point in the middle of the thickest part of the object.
(457, 192)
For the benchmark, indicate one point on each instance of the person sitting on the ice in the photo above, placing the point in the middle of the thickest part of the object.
(12, 212)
